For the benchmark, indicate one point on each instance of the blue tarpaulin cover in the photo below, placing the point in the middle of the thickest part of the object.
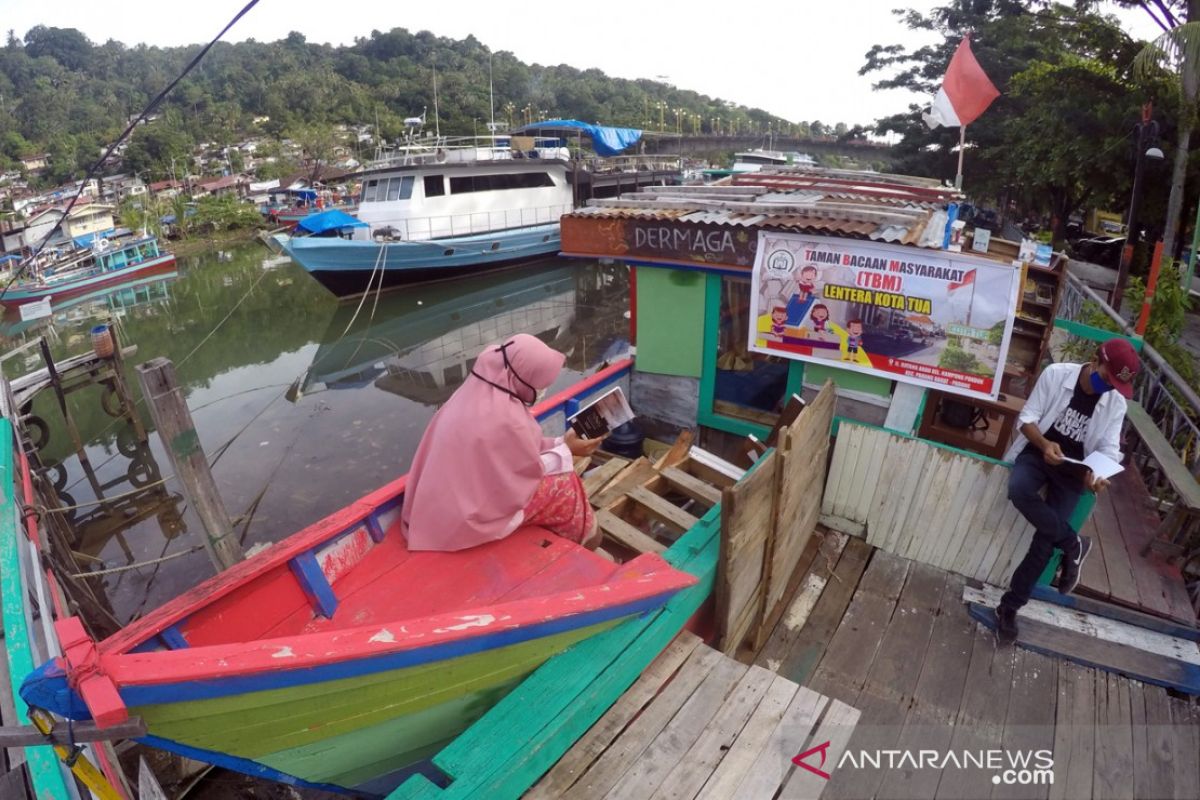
(330, 220)
(606, 141)
(87, 240)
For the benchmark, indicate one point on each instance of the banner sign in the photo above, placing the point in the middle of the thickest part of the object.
(927, 317)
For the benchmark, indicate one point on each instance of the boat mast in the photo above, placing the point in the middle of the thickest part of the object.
(491, 99)
(437, 121)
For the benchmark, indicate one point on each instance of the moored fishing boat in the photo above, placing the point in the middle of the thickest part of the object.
(106, 263)
(337, 656)
(440, 208)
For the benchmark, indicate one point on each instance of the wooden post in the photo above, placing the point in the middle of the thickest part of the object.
(174, 422)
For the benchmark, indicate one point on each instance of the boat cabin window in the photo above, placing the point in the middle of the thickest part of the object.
(435, 185)
(746, 158)
(369, 189)
(400, 188)
(495, 181)
(749, 386)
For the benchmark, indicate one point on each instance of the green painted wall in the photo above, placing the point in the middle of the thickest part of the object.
(815, 375)
(670, 321)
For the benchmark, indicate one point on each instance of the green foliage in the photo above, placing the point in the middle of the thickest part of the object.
(225, 213)
(996, 333)
(1055, 140)
(61, 85)
(955, 358)
(1168, 308)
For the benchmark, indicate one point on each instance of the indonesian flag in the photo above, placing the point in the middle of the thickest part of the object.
(965, 94)
(968, 279)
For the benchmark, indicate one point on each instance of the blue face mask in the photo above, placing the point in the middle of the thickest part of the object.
(1099, 385)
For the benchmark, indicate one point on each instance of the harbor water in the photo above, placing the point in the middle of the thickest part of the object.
(302, 404)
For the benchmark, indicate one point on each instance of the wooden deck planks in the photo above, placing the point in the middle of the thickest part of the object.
(1121, 584)
(1074, 732)
(573, 764)
(647, 772)
(1093, 576)
(604, 773)
(1153, 742)
(812, 584)
(1113, 774)
(1185, 721)
(696, 765)
(892, 680)
(843, 668)
(981, 716)
(1160, 584)
(809, 645)
(1029, 722)
(770, 770)
(750, 741)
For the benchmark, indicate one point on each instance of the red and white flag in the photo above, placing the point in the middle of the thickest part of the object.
(968, 280)
(966, 91)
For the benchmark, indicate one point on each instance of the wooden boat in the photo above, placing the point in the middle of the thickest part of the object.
(337, 656)
(106, 264)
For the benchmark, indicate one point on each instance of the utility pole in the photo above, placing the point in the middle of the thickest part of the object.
(1146, 133)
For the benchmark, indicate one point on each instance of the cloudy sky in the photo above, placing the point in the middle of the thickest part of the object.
(801, 63)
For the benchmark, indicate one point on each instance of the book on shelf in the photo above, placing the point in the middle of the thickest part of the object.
(601, 416)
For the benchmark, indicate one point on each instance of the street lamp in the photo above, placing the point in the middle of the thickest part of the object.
(1145, 150)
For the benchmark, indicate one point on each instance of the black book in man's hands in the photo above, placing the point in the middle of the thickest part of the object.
(607, 412)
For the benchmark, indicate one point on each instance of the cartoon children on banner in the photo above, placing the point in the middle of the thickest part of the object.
(854, 336)
(819, 317)
(779, 320)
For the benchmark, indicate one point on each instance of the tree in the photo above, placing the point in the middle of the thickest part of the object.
(1177, 51)
(67, 46)
(1049, 146)
(317, 141)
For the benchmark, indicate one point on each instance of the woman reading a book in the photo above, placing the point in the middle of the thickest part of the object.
(484, 469)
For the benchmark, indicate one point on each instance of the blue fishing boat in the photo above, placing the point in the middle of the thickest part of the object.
(105, 264)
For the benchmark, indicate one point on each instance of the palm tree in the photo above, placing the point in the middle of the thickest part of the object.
(1176, 51)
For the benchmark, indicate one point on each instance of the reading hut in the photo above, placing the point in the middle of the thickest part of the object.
(747, 294)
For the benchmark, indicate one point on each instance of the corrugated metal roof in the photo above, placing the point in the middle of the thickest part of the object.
(845, 212)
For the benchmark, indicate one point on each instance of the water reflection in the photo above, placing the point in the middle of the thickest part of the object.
(242, 333)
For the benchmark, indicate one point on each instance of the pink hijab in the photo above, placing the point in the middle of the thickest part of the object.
(479, 461)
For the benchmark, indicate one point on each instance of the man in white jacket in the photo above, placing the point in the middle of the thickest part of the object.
(1075, 410)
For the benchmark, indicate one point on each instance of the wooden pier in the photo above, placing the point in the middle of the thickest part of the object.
(698, 724)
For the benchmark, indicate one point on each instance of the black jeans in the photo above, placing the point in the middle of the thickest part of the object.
(1050, 518)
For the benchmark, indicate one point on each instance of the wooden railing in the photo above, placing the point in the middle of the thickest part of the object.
(1163, 393)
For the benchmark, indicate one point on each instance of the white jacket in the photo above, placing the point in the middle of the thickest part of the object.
(1052, 394)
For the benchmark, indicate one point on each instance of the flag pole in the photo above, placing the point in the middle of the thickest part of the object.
(962, 146)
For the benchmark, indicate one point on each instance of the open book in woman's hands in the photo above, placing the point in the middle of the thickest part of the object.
(607, 412)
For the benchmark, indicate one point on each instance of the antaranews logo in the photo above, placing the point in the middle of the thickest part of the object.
(1009, 767)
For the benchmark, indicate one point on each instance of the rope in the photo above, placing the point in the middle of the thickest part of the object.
(225, 319)
(138, 565)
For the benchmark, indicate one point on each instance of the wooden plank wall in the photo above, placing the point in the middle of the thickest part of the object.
(924, 502)
(767, 519)
(803, 455)
(747, 517)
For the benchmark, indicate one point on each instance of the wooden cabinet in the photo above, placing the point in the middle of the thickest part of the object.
(988, 440)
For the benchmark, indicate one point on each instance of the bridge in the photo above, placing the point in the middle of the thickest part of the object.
(860, 150)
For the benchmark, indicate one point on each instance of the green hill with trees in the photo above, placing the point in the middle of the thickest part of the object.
(67, 96)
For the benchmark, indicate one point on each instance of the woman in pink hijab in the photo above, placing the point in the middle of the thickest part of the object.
(483, 468)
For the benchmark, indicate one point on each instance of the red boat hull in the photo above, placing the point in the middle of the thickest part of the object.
(153, 266)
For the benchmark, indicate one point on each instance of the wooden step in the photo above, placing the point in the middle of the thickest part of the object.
(663, 510)
(625, 534)
(692, 486)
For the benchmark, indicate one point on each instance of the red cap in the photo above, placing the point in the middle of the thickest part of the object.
(1123, 364)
